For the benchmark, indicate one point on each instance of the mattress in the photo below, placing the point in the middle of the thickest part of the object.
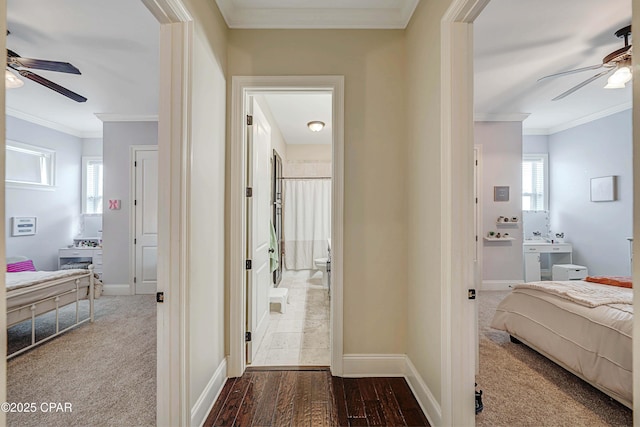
(26, 287)
(593, 340)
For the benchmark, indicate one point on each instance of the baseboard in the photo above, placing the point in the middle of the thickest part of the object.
(205, 402)
(394, 365)
(373, 365)
(427, 401)
(499, 285)
(116, 290)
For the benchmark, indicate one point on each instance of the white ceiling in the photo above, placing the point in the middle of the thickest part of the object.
(115, 46)
(519, 41)
(317, 13)
(293, 111)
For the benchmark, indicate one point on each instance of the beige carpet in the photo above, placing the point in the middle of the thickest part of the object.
(105, 370)
(523, 388)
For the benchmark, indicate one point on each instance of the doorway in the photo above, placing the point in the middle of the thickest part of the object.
(288, 320)
(244, 88)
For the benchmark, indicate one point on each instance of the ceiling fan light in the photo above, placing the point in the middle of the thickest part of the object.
(11, 81)
(618, 79)
(315, 126)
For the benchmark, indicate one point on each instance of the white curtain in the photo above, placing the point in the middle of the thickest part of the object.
(307, 221)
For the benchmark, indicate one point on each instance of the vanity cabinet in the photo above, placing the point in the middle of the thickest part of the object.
(539, 255)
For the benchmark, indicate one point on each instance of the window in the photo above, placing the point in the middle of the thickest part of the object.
(535, 193)
(29, 166)
(92, 185)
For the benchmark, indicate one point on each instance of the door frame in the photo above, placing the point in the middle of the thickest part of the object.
(458, 312)
(174, 147)
(241, 86)
(133, 150)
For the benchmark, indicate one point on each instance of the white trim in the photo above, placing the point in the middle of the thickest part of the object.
(133, 150)
(458, 339)
(373, 365)
(256, 84)
(110, 290)
(580, 121)
(209, 395)
(306, 18)
(421, 391)
(174, 117)
(52, 125)
(506, 117)
(499, 285)
(105, 117)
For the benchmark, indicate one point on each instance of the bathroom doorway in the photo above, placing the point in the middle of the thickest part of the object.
(290, 301)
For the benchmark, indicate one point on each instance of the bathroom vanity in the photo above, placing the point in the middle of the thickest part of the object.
(540, 256)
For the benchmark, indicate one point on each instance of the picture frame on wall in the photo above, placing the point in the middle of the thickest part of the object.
(23, 225)
(603, 189)
(501, 193)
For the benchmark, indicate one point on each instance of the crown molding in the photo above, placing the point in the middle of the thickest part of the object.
(360, 15)
(52, 125)
(505, 117)
(107, 117)
(591, 117)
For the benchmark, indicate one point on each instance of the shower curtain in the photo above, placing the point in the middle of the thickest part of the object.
(307, 221)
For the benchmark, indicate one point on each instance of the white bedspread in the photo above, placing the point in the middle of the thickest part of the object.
(29, 278)
(584, 293)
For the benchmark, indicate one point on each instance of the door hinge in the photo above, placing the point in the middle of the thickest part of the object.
(476, 238)
(247, 336)
(135, 202)
(135, 164)
(249, 120)
(159, 296)
(247, 264)
(249, 192)
(135, 280)
(472, 294)
(476, 200)
(476, 163)
(135, 241)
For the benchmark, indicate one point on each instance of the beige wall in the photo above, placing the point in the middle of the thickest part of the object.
(423, 182)
(206, 292)
(375, 198)
(320, 152)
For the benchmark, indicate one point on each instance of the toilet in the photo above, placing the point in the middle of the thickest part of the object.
(321, 264)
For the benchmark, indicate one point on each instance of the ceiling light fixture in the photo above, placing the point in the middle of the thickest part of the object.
(621, 76)
(11, 81)
(315, 126)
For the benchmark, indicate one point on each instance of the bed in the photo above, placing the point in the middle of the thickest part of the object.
(33, 293)
(583, 326)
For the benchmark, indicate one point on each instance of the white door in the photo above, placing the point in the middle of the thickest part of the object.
(258, 223)
(146, 221)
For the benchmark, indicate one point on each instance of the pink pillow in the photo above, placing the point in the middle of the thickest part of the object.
(15, 267)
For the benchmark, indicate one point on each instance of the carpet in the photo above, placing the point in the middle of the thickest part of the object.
(523, 388)
(105, 371)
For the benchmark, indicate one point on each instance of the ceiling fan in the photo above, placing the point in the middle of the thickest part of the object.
(15, 62)
(618, 62)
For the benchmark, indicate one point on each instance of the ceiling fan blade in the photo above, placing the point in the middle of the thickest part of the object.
(51, 85)
(577, 70)
(15, 60)
(584, 83)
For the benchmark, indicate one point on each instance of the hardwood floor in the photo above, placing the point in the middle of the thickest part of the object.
(314, 398)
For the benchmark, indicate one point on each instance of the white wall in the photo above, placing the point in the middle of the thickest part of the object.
(206, 221)
(501, 165)
(598, 231)
(57, 211)
(118, 137)
(535, 144)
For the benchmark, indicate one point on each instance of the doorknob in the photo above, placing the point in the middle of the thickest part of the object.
(271, 250)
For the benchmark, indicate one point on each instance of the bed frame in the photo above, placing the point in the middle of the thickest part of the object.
(48, 296)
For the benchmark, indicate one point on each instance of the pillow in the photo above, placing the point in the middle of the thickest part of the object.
(621, 281)
(16, 267)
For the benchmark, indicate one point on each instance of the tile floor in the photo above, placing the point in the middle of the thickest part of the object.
(301, 335)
